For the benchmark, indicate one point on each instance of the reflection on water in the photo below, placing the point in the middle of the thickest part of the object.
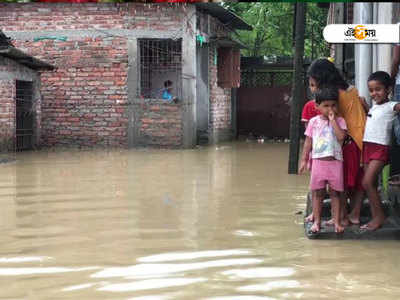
(210, 223)
(145, 270)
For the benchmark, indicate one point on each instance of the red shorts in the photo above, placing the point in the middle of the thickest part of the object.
(372, 151)
(352, 171)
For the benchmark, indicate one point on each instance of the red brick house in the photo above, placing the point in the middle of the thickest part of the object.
(111, 61)
(19, 97)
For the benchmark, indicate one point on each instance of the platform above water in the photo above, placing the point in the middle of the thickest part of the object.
(389, 231)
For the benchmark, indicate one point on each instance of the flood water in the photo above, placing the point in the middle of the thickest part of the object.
(217, 222)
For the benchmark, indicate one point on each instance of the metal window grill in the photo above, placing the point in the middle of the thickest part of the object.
(24, 115)
(160, 61)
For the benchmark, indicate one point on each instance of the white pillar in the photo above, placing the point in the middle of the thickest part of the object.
(362, 52)
(384, 51)
(374, 46)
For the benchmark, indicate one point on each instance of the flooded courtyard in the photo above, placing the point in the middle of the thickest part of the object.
(217, 222)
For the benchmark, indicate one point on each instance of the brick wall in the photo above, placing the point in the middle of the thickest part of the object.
(85, 99)
(61, 16)
(160, 123)
(220, 98)
(220, 105)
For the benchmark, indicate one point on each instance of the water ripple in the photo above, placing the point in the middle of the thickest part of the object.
(150, 284)
(162, 269)
(259, 272)
(191, 255)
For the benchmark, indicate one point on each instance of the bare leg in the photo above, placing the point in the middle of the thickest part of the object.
(336, 202)
(356, 200)
(343, 211)
(317, 208)
(310, 217)
(370, 185)
(344, 221)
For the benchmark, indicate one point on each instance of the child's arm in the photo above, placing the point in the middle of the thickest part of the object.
(306, 153)
(364, 104)
(305, 123)
(339, 132)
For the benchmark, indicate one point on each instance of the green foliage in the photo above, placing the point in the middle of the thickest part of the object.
(315, 23)
(272, 35)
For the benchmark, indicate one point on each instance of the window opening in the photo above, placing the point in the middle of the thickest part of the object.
(160, 68)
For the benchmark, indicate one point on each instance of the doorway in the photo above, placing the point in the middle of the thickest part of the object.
(202, 94)
(24, 115)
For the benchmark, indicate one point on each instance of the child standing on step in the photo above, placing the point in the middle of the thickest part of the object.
(376, 141)
(325, 134)
(353, 109)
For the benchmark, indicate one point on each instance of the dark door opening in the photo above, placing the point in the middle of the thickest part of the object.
(24, 115)
(202, 94)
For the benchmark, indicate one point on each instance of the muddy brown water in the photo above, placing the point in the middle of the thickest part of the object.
(217, 222)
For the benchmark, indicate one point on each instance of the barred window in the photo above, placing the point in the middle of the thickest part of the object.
(160, 67)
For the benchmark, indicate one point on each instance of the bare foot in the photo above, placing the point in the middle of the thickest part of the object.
(374, 224)
(330, 222)
(315, 227)
(345, 222)
(339, 228)
(353, 220)
(309, 219)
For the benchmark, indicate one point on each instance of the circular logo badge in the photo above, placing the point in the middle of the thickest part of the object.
(359, 32)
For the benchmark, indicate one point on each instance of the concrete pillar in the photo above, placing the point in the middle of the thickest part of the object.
(384, 51)
(189, 79)
(37, 110)
(362, 52)
(234, 112)
(374, 46)
(338, 15)
(133, 100)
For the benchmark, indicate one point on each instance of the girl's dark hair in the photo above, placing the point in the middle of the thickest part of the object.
(326, 93)
(382, 77)
(325, 73)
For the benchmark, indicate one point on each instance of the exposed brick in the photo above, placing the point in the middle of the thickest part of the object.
(84, 99)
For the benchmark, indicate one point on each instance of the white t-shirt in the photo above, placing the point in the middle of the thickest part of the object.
(378, 128)
(324, 141)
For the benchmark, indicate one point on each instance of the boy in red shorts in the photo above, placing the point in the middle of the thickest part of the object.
(376, 141)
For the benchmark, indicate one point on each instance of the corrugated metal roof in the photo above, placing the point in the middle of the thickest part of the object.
(8, 50)
(226, 16)
(5, 41)
(24, 59)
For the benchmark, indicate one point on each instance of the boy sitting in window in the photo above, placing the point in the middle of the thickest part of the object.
(167, 91)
